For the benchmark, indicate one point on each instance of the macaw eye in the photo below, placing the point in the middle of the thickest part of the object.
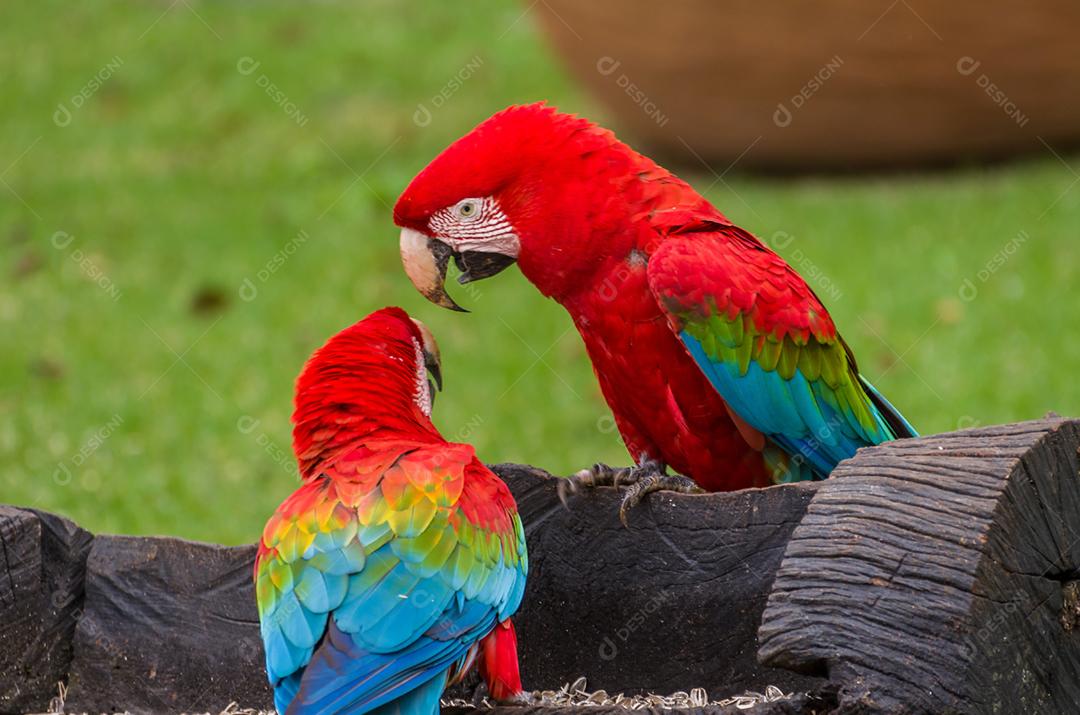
(468, 209)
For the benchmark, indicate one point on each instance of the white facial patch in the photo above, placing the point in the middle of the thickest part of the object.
(422, 395)
(476, 224)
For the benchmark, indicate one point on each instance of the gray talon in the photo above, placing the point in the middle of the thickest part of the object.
(655, 482)
(640, 480)
(600, 475)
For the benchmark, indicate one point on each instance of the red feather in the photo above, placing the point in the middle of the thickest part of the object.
(589, 212)
(499, 663)
(362, 383)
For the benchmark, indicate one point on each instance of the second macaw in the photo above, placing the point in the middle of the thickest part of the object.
(715, 356)
(396, 565)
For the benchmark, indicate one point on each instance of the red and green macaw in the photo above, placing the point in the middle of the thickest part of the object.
(714, 355)
(396, 565)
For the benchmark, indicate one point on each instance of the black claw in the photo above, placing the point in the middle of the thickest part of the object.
(654, 482)
(634, 494)
(564, 487)
(560, 489)
(640, 481)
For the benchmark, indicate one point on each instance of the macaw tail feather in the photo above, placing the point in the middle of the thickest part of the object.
(285, 691)
(785, 468)
(421, 701)
(900, 427)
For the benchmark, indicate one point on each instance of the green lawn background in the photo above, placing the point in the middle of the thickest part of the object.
(141, 392)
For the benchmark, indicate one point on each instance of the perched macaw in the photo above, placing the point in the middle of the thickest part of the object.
(396, 565)
(714, 355)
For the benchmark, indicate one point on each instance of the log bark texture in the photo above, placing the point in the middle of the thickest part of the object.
(42, 564)
(797, 705)
(936, 575)
(671, 603)
(168, 626)
(939, 575)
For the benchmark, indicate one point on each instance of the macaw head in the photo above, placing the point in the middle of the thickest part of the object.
(378, 376)
(523, 186)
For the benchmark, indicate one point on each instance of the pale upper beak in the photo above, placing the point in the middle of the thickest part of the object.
(426, 260)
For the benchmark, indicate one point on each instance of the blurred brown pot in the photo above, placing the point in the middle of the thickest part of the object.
(828, 85)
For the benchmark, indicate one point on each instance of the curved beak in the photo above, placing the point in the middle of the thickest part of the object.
(426, 259)
(432, 360)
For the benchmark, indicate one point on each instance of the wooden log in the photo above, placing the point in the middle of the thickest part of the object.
(672, 603)
(168, 626)
(42, 562)
(797, 705)
(940, 575)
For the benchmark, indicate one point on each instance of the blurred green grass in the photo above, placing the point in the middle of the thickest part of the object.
(141, 393)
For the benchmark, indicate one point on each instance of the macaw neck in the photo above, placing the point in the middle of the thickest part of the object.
(570, 266)
(347, 416)
(605, 206)
(565, 254)
(316, 453)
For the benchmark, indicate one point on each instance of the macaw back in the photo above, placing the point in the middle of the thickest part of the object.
(381, 578)
(396, 570)
(661, 286)
(687, 385)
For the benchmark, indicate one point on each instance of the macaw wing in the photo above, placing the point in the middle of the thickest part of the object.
(421, 583)
(308, 552)
(768, 346)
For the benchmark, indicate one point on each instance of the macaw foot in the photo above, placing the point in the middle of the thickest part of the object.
(599, 475)
(642, 479)
(655, 482)
(602, 475)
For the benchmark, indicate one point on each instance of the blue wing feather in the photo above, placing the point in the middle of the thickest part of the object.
(797, 415)
(364, 620)
(344, 676)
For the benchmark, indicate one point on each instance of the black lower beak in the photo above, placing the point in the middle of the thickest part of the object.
(435, 371)
(477, 265)
(426, 259)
